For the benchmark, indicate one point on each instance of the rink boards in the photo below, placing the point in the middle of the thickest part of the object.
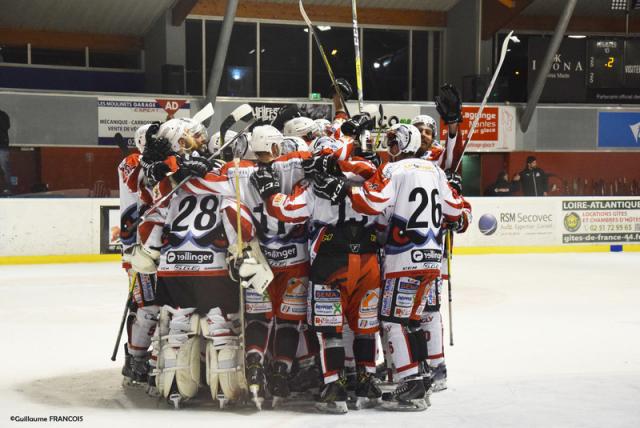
(83, 230)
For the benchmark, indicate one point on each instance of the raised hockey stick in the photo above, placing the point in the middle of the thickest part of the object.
(242, 113)
(503, 55)
(132, 285)
(323, 55)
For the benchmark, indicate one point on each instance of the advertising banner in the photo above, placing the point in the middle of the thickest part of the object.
(619, 129)
(119, 117)
(600, 221)
(552, 221)
(495, 132)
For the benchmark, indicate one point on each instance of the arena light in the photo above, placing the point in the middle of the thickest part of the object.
(619, 4)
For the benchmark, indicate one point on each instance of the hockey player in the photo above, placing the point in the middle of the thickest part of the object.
(413, 197)
(142, 318)
(302, 127)
(344, 276)
(186, 243)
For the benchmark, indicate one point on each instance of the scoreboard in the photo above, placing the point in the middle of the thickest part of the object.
(613, 63)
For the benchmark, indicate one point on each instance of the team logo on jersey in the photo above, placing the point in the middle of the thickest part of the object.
(279, 254)
(354, 248)
(572, 222)
(426, 256)
(190, 257)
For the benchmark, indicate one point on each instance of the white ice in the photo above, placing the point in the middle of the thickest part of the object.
(540, 341)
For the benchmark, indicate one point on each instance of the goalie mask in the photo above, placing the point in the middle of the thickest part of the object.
(405, 137)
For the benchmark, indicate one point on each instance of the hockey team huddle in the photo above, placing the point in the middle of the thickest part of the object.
(283, 261)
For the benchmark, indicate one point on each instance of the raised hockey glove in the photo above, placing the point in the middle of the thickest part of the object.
(285, 114)
(319, 164)
(455, 181)
(448, 104)
(330, 187)
(354, 126)
(265, 181)
(344, 86)
(154, 171)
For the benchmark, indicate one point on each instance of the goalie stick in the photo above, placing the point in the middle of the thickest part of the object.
(323, 55)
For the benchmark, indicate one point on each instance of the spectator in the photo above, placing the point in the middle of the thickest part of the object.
(532, 180)
(502, 186)
(5, 172)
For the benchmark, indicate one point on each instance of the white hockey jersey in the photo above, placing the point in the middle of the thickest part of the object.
(413, 197)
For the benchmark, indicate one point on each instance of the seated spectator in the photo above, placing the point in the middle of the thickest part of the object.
(502, 186)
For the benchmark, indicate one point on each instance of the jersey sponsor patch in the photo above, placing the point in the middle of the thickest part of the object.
(404, 300)
(402, 312)
(293, 309)
(369, 304)
(190, 257)
(258, 308)
(280, 254)
(425, 255)
(279, 199)
(327, 321)
(252, 296)
(327, 295)
(408, 285)
(366, 323)
(327, 308)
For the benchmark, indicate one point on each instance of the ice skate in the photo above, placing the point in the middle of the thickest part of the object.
(135, 369)
(367, 391)
(305, 378)
(333, 398)
(439, 377)
(255, 379)
(409, 396)
(279, 383)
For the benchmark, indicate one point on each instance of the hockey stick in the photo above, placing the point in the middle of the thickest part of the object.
(503, 55)
(356, 46)
(242, 113)
(449, 254)
(132, 285)
(323, 55)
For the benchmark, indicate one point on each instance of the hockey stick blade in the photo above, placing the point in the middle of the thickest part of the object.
(204, 114)
(242, 113)
(503, 55)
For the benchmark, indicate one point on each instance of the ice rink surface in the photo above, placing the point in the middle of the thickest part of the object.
(547, 340)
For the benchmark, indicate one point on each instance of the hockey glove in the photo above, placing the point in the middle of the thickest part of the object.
(455, 181)
(344, 86)
(265, 181)
(156, 149)
(193, 166)
(372, 157)
(330, 187)
(154, 171)
(448, 104)
(285, 114)
(144, 259)
(319, 164)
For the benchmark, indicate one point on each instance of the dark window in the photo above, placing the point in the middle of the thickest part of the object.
(14, 54)
(420, 58)
(239, 73)
(437, 41)
(193, 38)
(338, 45)
(129, 60)
(284, 61)
(58, 57)
(385, 68)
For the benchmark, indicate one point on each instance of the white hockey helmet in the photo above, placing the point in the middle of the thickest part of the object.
(340, 148)
(293, 144)
(407, 137)
(174, 130)
(264, 137)
(215, 142)
(242, 146)
(323, 127)
(140, 137)
(425, 119)
(300, 127)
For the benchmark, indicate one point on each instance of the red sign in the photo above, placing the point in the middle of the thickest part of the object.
(171, 106)
(487, 128)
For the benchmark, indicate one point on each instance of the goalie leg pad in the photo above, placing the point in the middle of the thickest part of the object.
(223, 356)
(180, 353)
